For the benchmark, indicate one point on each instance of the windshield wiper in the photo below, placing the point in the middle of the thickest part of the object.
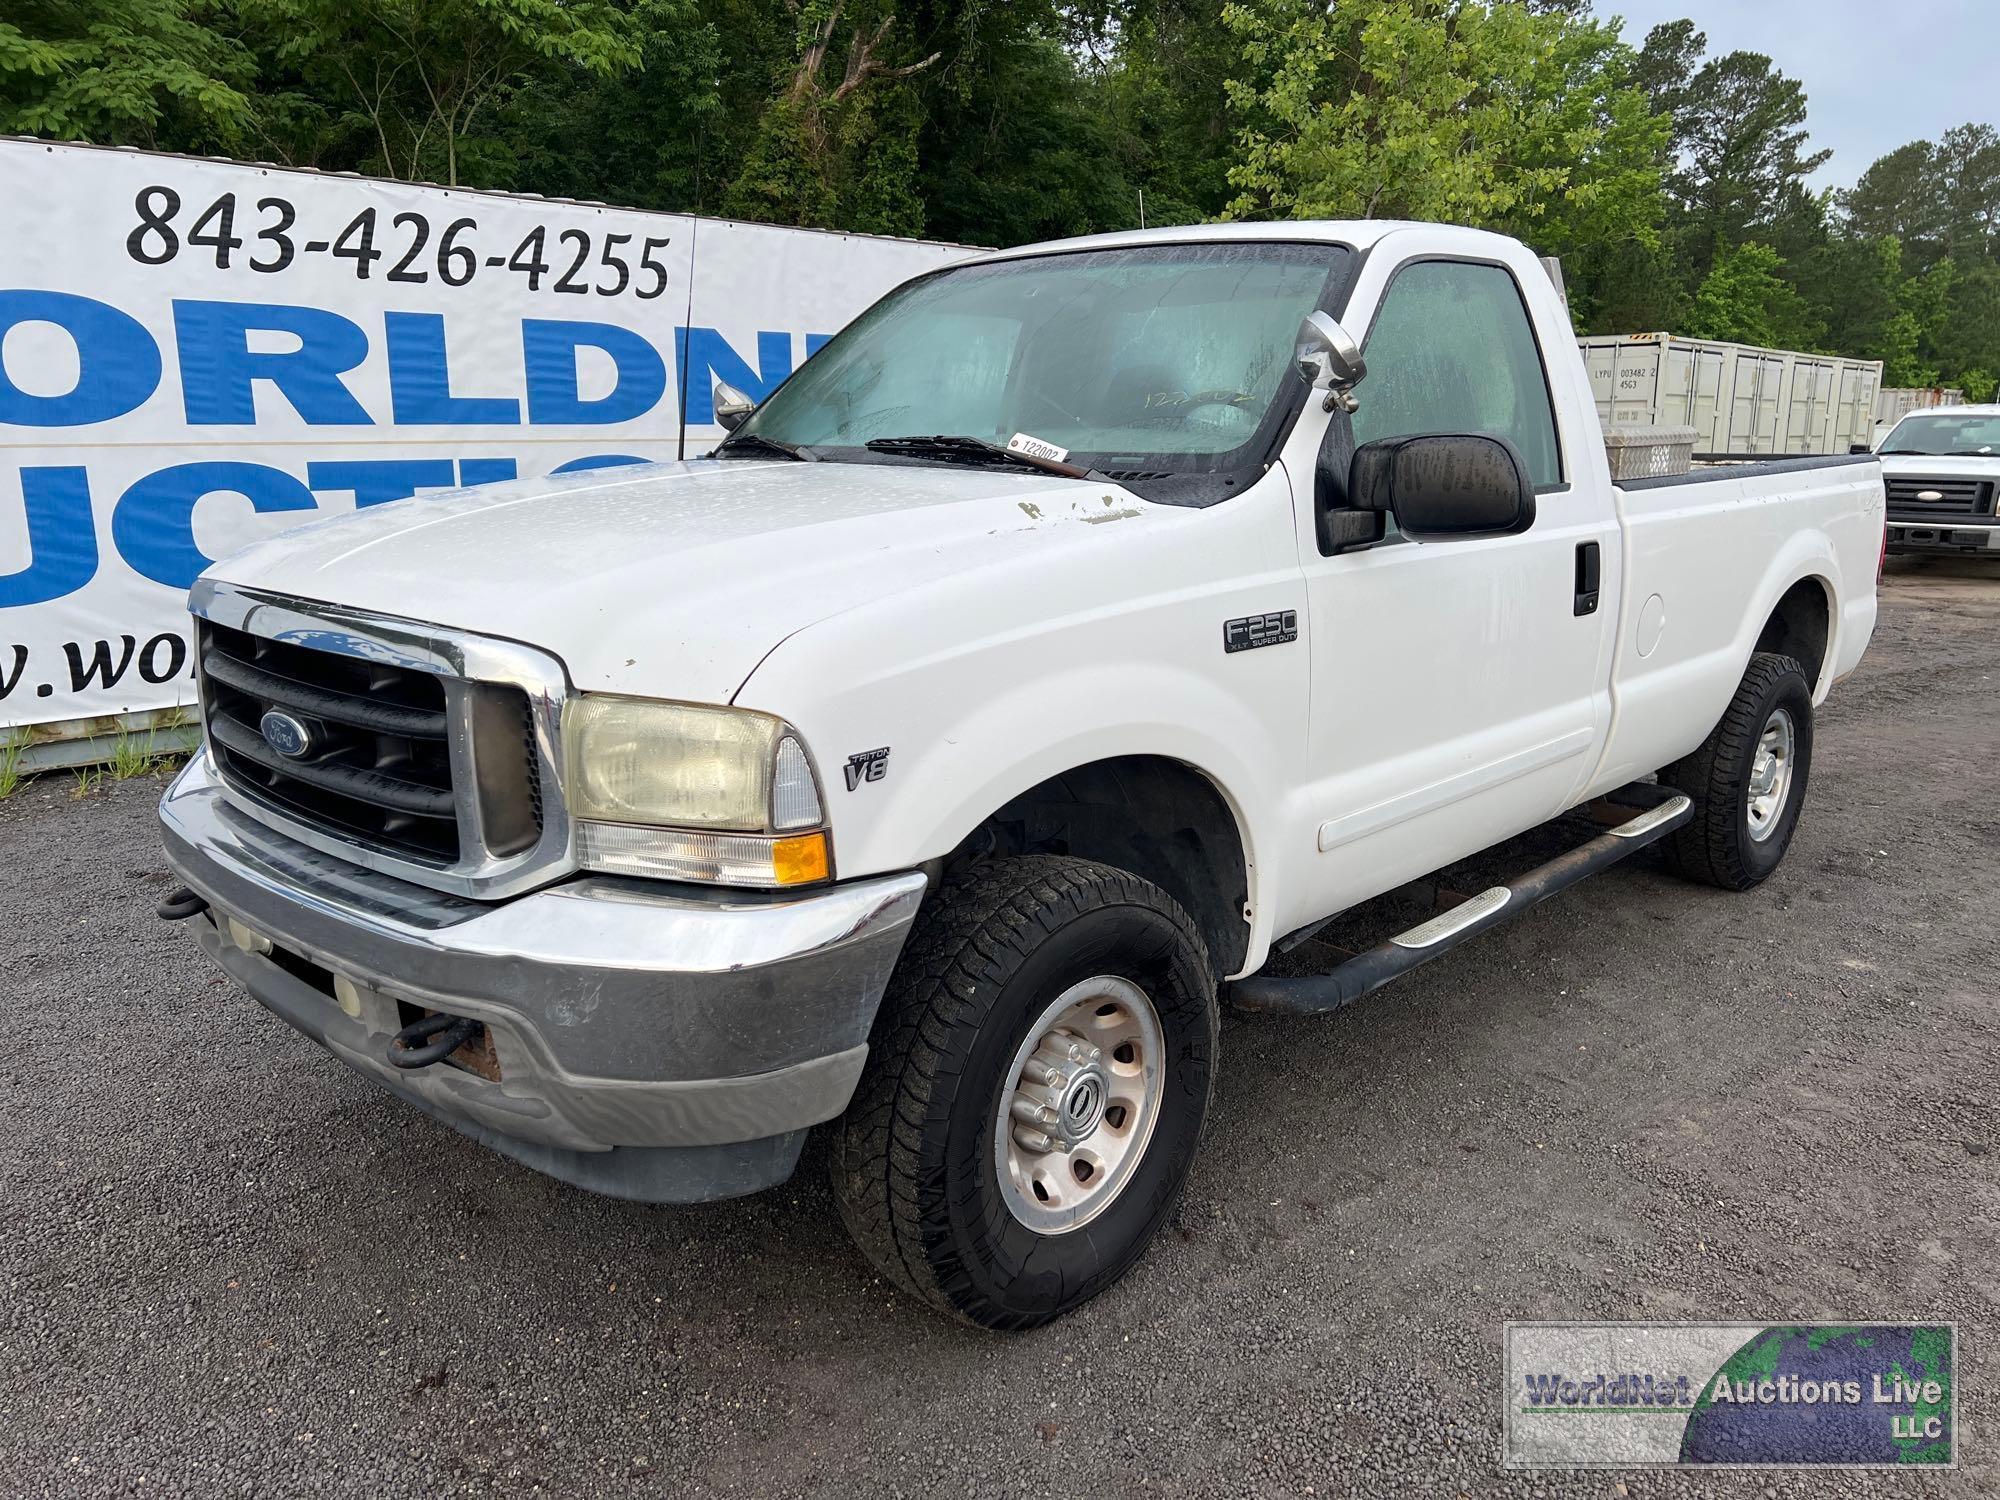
(958, 449)
(747, 442)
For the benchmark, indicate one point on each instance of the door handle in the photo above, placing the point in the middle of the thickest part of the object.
(1586, 578)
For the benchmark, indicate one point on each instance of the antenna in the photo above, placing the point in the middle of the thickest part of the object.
(1142, 208)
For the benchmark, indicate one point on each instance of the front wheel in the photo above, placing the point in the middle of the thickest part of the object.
(1748, 779)
(1034, 1090)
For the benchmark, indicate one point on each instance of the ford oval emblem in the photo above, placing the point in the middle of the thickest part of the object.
(1930, 494)
(285, 734)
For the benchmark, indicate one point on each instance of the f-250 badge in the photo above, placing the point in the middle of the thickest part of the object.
(1252, 631)
(869, 765)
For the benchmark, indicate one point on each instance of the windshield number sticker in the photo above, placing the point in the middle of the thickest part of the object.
(1034, 447)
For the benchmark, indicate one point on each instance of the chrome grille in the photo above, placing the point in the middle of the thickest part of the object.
(377, 762)
(423, 752)
(1923, 499)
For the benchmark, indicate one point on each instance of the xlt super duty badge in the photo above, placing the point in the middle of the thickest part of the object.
(1252, 631)
(869, 765)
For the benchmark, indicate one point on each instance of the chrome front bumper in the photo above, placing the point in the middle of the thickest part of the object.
(662, 1047)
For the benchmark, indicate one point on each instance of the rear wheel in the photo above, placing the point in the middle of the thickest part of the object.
(1034, 1091)
(1748, 779)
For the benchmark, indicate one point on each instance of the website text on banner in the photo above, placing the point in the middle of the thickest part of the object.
(195, 354)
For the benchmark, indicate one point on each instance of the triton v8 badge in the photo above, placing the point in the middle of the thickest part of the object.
(869, 765)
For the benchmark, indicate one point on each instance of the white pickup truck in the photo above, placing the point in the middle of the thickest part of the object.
(1941, 467)
(929, 762)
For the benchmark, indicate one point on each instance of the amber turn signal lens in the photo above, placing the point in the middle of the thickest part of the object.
(801, 860)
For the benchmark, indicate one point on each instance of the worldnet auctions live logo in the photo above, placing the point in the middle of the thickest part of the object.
(1638, 1395)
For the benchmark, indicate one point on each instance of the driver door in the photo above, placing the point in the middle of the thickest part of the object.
(1458, 688)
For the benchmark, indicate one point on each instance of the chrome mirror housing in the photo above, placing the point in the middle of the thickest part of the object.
(1328, 359)
(731, 406)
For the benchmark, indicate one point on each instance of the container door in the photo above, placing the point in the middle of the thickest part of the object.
(1814, 417)
(1863, 431)
(1705, 407)
(1770, 398)
(1675, 366)
(1635, 397)
(1742, 403)
(1600, 361)
(1852, 407)
(1805, 411)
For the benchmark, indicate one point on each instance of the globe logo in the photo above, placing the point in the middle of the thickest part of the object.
(285, 734)
(1898, 1418)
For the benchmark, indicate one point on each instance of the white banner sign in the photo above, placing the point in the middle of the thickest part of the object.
(197, 354)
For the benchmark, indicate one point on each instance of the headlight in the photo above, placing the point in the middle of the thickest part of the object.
(681, 791)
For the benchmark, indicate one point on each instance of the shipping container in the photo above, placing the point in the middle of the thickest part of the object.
(1895, 402)
(1741, 401)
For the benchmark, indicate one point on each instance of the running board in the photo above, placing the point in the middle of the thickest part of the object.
(1321, 994)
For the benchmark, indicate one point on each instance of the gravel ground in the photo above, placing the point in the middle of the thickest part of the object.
(233, 1268)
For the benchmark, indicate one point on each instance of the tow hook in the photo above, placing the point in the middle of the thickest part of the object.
(180, 904)
(431, 1039)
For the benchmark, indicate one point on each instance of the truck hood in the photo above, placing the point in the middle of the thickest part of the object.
(676, 580)
(1944, 466)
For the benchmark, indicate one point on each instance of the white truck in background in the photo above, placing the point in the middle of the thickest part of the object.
(930, 762)
(1941, 468)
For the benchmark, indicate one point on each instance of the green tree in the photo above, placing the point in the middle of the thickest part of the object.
(1940, 198)
(423, 76)
(1967, 167)
(1978, 384)
(1159, 74)
(1966, 338)
(1898, 197)
(1926, 301)
(1456, 110)
(656, 136)
(122, 72)
(1745, 299)
(837, 146)
(1664, 69)
(1032, 151)
(1854, 288)
(1739, 133)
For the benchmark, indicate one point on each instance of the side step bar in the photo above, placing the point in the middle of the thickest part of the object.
(1321, 994)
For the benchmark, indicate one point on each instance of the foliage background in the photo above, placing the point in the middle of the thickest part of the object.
(1672, 182)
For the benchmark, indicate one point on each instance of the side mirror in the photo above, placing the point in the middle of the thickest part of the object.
(1853, 448)
(1328, 359)
(731, 406)
(1444, 488)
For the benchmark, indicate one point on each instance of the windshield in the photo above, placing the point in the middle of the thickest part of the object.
(1941, 435)
(1169, 360)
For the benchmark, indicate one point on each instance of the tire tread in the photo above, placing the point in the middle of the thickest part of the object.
(1709, 848)
(979, 928)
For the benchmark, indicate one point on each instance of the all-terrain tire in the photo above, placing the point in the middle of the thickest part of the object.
(1718, 846)
(913, 1160)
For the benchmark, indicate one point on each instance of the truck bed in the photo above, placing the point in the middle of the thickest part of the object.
(1707, 556)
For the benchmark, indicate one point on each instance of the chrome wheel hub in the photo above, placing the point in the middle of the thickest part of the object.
(1080, 1101)
(1771, 774)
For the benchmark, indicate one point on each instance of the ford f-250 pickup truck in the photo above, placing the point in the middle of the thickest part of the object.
(1941, 467)
(928, 762)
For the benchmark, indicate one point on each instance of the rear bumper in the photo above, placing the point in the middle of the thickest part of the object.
(669, 1047)
(1943, 536)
